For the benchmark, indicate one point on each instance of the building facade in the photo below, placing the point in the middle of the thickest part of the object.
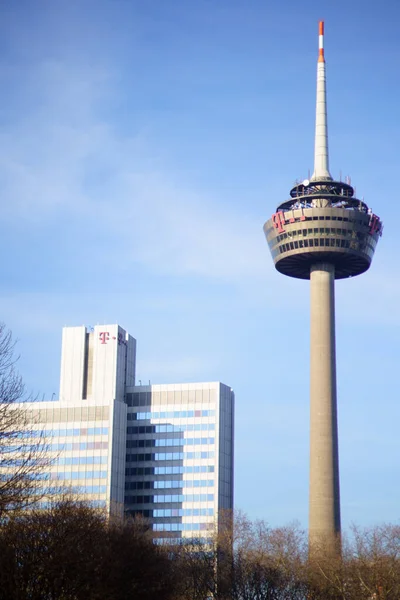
(165, 451)
(179, 460)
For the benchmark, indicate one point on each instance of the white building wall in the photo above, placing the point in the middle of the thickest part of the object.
(103, 358)
(72, 363)
(114, 356)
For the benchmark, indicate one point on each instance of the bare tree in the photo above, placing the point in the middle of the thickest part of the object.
(368, 568)
(195, 565)
(374, 567)
(71, 551)
(52, 554)
(134, 567)
(247, 560)
(267, 563)
(23, 450)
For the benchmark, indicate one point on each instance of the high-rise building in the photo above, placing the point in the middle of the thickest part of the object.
(165, 451)
(179, 460)
(322, 233)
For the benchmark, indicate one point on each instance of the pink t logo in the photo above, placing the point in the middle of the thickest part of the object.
(374, 224)
(104, 337)
(278, 220)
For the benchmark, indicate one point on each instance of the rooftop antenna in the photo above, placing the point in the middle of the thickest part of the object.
(321, 153)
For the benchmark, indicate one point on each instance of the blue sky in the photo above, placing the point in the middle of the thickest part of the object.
(143, 144)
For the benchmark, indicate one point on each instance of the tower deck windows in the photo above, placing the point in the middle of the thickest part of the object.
(351, 246)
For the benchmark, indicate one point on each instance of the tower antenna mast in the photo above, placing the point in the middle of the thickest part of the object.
(321, 153)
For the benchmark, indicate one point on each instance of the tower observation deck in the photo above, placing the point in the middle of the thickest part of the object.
(322, 233)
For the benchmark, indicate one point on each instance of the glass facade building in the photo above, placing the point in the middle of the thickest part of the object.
(179, 458)
(165, 451)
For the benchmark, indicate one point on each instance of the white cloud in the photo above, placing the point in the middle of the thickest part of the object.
(63, 157)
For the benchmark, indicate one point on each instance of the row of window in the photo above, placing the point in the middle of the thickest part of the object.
(41, 475)
(139, 485)
(169, 498)
(169, 428)
(46, 504)
(65, 432)
(19, 448)
(169, 470)
(183, 512)
(80, 489)
(148, 485)
(182, 526)
(169, 442)
(180, 469)
(89, 489)
(160, 541)
(79, 475)
(81, 460)
(317, 243)
(77, 446)
(6, 461)
(333, 218)
(172, 414)
(168, 456)
(98, 503)
(184, 483)
(332, 231)
(169, 396)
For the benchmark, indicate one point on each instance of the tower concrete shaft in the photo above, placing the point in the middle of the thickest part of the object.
(324, 514)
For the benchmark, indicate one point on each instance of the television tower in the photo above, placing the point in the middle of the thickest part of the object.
(323, 233)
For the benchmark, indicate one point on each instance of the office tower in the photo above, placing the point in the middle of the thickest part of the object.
(165, 451)
(322, 233)
(179, 463)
